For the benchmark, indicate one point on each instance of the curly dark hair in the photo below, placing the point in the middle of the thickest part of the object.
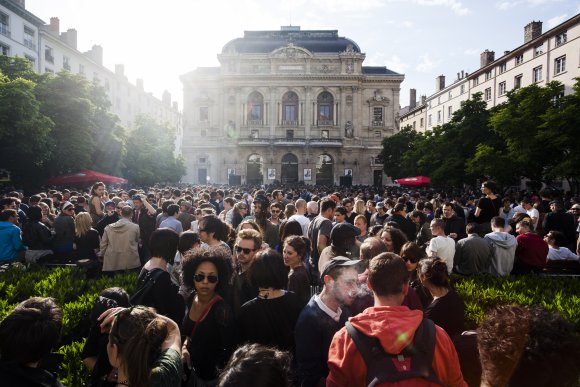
(195, 257)
(528, 345)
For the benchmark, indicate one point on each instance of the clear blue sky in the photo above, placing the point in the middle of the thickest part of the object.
(160, 40)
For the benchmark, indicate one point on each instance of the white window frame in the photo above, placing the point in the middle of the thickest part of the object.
(538, 50)
(560, 65)
(519, 59)
(501, 89)
(4, 49)
(537, 74)
(487, 94)
(518, 81)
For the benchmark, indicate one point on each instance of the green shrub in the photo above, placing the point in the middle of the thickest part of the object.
(73, 372)
(482, 293)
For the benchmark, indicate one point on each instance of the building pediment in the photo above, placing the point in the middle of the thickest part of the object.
(291, 52)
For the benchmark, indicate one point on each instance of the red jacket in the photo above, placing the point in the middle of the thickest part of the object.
(395, 327)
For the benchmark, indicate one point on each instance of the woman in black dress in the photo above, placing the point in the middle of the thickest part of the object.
(208, 326)
(488, 206)
(447, 309)
(163, 295)
(296, 249)
(87, 240)
(270, 318)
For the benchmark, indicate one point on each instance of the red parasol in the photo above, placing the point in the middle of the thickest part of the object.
(85, 176)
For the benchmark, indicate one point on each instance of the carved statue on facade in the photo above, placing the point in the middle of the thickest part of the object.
(349, 130)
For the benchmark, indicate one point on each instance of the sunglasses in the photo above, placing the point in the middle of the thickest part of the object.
(212, 279)
(414, 260)
(244, 249)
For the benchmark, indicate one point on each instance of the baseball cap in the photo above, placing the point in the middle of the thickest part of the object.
(337, 262)
(380, 205)
(343, 231)
(67, 205)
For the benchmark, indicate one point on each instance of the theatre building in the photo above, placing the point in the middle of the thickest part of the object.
(288, 106)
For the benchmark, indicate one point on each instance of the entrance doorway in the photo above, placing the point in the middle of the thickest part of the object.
(289, 169)
(202, 176)
(377, 178)
(254, 173)
(325, 170)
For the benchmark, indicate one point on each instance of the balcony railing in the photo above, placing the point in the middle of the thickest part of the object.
(378, 123)
(325, 123)
(289, 123)
(255, 122)
(287, 141)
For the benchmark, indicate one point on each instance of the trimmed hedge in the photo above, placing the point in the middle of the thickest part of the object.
(76, 295)
(481, 293)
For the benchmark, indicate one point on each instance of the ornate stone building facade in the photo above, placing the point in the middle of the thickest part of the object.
(288, 105)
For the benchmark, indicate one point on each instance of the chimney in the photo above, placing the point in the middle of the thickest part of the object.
(532, 31)
(140, 84)
(96, 54)
(462, 74)
(54, 25)
(120, 70)
(486, 58)
(423, 99)
(506, 52)
(70, 37)
(412, 98)
(166, 98)
(440, 83)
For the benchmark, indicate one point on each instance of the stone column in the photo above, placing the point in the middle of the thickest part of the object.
(308, 105)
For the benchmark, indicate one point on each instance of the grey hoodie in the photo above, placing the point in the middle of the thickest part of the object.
(504, 246)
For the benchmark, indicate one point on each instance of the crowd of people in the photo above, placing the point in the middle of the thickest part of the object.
(284, 286)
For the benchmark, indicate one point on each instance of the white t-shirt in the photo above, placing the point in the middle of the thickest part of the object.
(533, 213)
(444, 247)
(304, 223)
(561, 254)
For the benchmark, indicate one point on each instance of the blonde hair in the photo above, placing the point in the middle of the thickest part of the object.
(83, 224)
(359, 207)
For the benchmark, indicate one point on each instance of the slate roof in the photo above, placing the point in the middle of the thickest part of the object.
(377, 70)
(316, 41)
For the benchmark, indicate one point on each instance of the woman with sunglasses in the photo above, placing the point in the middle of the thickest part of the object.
(208, 325)
(96, 204)
(412, 254)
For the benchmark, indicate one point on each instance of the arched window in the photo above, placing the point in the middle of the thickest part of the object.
(325, 170)
(255, 108)
(290, 109)
(325, 103)
(254, 173)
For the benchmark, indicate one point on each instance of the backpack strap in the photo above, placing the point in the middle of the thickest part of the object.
(415, 361)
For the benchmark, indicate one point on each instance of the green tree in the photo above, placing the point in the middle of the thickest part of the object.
(560, 131)
(150, 157)
(25, 145)
(394, 148)
(66, 101)
(108, 136)
(520, 124)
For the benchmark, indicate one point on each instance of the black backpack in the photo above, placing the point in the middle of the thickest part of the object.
(144, 285)
(414, 361)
